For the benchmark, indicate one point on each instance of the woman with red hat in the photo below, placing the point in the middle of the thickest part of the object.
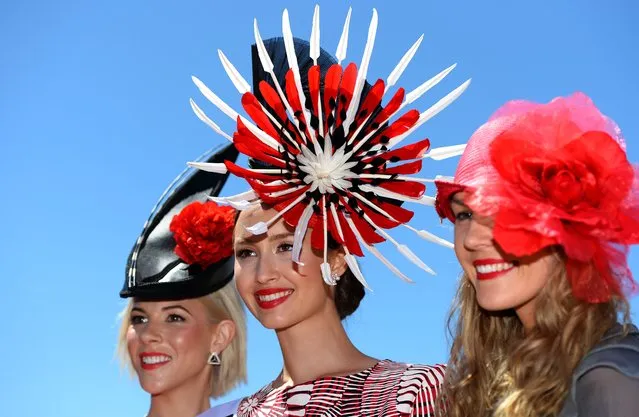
(545, 205)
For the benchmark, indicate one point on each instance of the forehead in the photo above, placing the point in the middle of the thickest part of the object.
(458, 198)
(191, 304)
(257, 214)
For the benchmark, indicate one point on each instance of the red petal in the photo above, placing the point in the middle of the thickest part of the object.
(398, 213)
(391, 107)
(273, 100)
(254, 110)
(291, 91)
(314, 86)
(317, 233)
(407, 188)
(254, 148)
(294, 100)
(377, 218)
(346, 89)
(246, 173)
(371, 102)
(332, 228)
(350, 240)
(513, 231)
(277, 201)
(365, 230)
(405, 169)
(292, 217)
(401, 125)
(513, 146)
(413, 151)
(331, 85)
(609, 162)
(249, 138)
(260, 187)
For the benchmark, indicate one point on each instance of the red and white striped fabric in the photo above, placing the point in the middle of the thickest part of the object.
(388, 389)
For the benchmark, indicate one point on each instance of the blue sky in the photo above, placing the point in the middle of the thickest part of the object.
(95, 122)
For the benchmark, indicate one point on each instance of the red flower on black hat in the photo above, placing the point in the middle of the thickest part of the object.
(203, 233)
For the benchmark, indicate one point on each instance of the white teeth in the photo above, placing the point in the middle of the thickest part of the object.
(149, 360)
(271, 297)
(486, 269)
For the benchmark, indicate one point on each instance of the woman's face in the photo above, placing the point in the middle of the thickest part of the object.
(279, 292)
(169, 343)
(501, 281)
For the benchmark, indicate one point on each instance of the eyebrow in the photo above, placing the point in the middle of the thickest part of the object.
(455, 200)
(141, 310)
(278, 236)
(171, 307)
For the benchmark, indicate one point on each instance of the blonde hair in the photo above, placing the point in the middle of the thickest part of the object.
(496, 369)
(223, 304)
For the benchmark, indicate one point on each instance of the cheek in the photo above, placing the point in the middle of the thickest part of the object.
(132, 343)
(461, 253)
(310, 260)
(534, 278)
(244, 281)
(190, 341)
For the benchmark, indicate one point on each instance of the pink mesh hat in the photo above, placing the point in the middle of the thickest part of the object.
(554, 174)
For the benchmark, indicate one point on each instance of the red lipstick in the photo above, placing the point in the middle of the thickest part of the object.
(272, 297)
(153, 360)
(491, 268)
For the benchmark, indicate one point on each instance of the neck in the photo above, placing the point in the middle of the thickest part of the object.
(319, 347)
(526, 314)
(187, 400)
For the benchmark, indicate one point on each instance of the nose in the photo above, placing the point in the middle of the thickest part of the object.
(150, 333)
(266, 270)
(479, 234)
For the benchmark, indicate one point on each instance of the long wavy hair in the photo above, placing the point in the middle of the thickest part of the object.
(498, 370)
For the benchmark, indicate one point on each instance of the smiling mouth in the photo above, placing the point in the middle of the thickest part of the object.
(153, 361)
(491, 268)
(268, 299)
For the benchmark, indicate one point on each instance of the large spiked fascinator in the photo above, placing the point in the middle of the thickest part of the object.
(185, 248)
(554, 174)
(326, 152)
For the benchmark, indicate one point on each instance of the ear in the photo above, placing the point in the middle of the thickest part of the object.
(222, 336)
(337, 261)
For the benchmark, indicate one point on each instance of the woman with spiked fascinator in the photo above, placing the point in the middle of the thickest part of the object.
(545, 205)
(183, 330)
(328, 180)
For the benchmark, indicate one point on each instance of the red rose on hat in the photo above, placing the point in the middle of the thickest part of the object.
(203, 233)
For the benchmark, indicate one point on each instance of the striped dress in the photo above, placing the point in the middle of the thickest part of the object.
(388, 389)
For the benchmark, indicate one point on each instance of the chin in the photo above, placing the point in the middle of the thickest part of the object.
(155, 387)
(276, 323)
(491, 302)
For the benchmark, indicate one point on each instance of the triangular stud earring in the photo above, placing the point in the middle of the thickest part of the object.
(214, 359)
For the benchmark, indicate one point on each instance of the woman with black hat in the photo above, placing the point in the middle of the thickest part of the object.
(183, 330)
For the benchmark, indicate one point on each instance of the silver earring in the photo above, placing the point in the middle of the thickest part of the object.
(333, 279)
(214, 359)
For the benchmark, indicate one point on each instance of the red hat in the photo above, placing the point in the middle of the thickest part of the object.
(554, 174)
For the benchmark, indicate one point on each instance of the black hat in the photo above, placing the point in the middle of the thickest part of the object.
(154, 270)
